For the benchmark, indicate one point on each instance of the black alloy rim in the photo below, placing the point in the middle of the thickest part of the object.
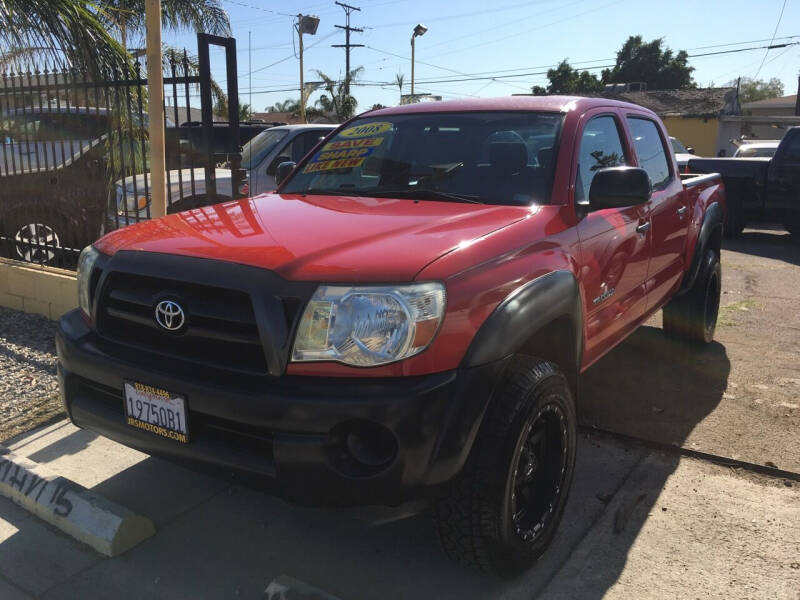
(539, 472)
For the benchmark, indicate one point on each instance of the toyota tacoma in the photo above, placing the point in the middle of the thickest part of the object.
(407, 315)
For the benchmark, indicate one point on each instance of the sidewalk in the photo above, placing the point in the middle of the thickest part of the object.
(638, 525)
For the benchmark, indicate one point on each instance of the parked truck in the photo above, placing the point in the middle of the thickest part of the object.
(407, 315)
(760, 189)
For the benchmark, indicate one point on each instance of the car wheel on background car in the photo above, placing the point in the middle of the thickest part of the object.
(693, 316)
(36, 237)
(501, 513)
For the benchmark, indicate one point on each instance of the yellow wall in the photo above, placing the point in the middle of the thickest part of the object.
(695, 132)
(34, 289)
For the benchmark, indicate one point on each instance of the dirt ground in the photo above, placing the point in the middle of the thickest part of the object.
(739, 397)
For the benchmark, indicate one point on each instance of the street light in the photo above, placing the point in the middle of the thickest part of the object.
(419, 30)
(305, 24)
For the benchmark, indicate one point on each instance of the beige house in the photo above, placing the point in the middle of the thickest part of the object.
(771, 107)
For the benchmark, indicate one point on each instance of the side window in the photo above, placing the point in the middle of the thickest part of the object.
(302, 144)
(650, 150)
(792, 154)
(601, 147)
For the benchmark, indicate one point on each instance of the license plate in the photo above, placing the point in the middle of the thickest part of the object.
(156, 410)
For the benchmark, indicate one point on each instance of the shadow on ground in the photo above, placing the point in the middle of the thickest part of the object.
(767, 241)
(217, 540)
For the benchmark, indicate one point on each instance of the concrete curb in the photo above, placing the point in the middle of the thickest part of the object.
(107, 527)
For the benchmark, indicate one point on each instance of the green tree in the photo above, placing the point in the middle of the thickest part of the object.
(566, 80)
(244, 111)
(195, 15)
(652, 63)
(289, 105)
(70, 31)
(336, 101)
(751, 90)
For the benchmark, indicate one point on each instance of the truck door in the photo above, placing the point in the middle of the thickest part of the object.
(615, 242)
(669, 212)
(783, 179)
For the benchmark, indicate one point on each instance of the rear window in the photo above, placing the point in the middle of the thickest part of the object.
(487, 157)
(650, 150)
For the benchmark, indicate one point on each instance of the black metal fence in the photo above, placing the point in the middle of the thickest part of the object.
(73, 156)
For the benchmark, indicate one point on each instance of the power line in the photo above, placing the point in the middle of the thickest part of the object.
(347, 45)
(774, 33)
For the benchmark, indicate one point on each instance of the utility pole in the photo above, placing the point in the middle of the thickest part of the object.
(155, 95)
(250, 68)
(305, 24)
(347, 45)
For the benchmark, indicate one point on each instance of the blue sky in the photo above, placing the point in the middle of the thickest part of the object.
(466, 39)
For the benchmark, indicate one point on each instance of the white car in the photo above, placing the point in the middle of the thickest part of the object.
(187, 187)
(682, 154)
(764, 149)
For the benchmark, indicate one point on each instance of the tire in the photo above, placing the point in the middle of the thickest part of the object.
(526, 443)
(734, 220)
(693, 315)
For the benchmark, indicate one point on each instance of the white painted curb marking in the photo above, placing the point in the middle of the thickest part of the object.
(107, 527)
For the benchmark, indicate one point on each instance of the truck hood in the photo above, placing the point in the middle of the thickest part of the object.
(320, 238)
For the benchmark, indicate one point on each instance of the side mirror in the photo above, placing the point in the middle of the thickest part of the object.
(273, 167)
(690, 150)
(617, 187)
(283, 171)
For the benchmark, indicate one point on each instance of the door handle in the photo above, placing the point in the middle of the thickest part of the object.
(643, 227)
(682, 210)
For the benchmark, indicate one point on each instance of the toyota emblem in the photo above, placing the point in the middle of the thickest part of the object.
(170, 315)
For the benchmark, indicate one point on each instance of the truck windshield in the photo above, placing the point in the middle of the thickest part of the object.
(486, 157)
(256, 149)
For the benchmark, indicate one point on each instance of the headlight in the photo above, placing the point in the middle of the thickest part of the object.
(128, 201)
(367, 326)
(85, 265)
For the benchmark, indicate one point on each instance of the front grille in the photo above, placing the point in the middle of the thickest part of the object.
(220, 331)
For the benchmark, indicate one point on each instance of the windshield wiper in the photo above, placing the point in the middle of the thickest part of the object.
(426, 194)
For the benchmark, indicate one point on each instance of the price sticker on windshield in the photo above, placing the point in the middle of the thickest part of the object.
(365, 130)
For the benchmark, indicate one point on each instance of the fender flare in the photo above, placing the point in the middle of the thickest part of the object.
(527, 311)
(712, 219)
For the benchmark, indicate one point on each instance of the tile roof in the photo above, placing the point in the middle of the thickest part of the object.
(700, 102)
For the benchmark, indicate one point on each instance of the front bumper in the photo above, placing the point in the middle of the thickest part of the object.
(290, 432)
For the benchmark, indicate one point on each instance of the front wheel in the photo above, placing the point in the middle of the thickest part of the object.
(693, 316)
(502, 512)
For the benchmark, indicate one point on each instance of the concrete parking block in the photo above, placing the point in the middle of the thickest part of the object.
(107, 527)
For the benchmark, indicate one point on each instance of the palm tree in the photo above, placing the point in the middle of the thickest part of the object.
(75, 32)
(58, 30)
(198, 15)
(338, 102)
(288, 105)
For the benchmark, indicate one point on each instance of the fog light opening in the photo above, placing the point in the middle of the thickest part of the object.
(365, 447)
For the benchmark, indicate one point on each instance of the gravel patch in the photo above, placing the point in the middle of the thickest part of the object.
(28, 383)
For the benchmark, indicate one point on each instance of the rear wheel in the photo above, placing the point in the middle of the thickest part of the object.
(693, 315)
(500, 515)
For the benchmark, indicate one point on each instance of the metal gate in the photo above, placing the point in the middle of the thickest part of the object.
(73, 151)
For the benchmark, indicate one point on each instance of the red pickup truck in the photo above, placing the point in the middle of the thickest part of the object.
(407, 315)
